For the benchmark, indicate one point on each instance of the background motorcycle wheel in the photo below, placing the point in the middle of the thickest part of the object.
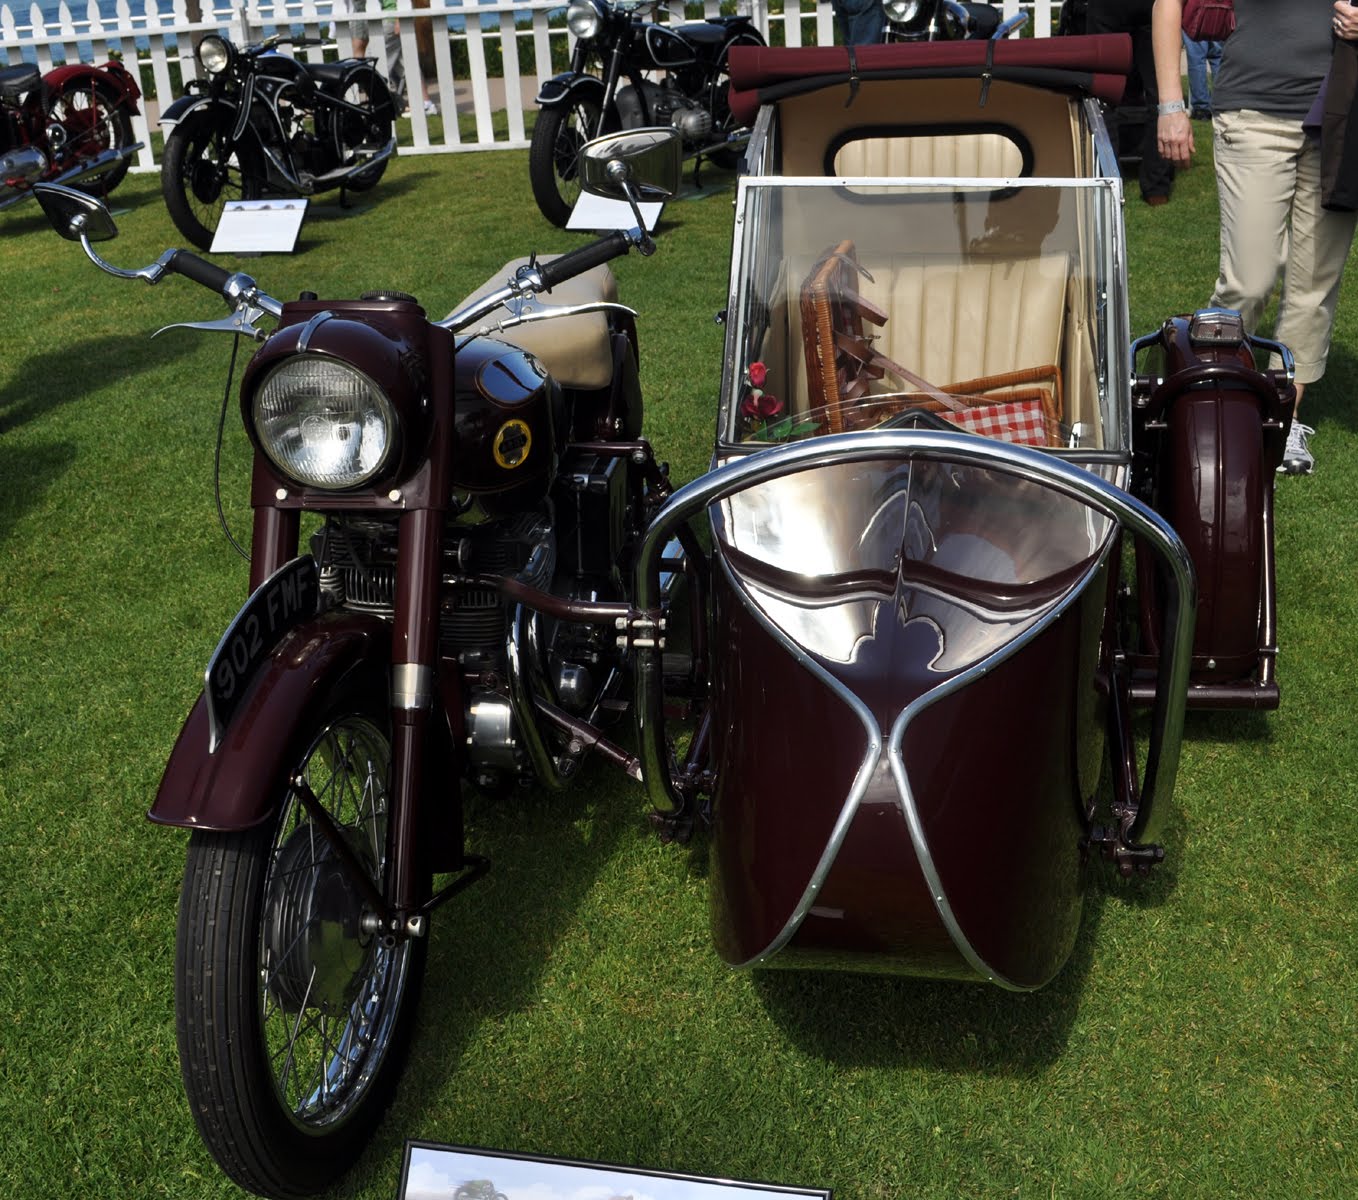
(356, 134)
(92, 118)
(722, 121)
(552, 167)
(198, 175)
(278, 989)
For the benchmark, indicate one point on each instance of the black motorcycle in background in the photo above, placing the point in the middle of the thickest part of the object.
(263, 123)
(945, 21)
(628, 72)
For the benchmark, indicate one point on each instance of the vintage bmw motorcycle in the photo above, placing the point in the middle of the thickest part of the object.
(263, 123)
(628, 71)
(72, 126)
(945, 20)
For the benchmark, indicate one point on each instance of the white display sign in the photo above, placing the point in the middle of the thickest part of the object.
(599, 214)
(259, 226)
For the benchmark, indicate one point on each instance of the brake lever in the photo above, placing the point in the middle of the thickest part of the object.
(522, 311)
(240, 320)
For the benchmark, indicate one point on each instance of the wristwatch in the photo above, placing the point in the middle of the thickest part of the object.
(1171, 106)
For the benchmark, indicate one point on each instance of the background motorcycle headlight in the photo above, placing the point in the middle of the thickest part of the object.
(902, 11)
(583, 20)
(214, 54)
(323, 423)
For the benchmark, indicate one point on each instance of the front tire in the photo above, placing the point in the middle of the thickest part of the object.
(553, 167)
(201, 171)
(292, 1019)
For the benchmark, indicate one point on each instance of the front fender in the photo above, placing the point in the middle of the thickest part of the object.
(560, 89)
(239, 785)
(112, 72)
(181, 108)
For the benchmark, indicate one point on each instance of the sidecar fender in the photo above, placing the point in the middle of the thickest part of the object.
(561, 88)
(239, 785)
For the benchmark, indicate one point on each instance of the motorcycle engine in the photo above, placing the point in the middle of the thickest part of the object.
(21, 166)
(668, 107)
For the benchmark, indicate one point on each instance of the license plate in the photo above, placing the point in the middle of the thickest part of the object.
(288, 597)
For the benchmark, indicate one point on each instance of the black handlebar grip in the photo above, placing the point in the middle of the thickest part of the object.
(200, 271)
(577, 262)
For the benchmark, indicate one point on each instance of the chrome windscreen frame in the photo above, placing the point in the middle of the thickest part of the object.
(1068, 478)
(1107, 255)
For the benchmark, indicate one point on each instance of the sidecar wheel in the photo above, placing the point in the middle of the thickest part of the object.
(92, 118)
(201, 171)
(553, 154)
(293, 1020)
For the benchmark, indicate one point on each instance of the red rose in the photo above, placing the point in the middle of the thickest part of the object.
(758, 373)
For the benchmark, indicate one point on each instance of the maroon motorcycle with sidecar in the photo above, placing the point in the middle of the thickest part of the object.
(880, 656)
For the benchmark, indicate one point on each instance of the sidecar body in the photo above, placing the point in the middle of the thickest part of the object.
(918, 511)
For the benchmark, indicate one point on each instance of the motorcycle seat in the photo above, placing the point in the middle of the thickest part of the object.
(15, 81)
(329, 73)
(576, 349)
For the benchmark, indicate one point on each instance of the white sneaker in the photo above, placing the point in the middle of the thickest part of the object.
(431, 109)
(1297, 458)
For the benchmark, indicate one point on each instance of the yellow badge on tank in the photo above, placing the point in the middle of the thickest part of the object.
(512, 442)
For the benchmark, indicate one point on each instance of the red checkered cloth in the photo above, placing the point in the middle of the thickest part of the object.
(1021, 421)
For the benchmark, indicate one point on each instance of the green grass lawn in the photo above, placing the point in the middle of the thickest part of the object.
(1202, 1041)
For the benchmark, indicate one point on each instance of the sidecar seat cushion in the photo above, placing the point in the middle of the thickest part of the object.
(574, 349)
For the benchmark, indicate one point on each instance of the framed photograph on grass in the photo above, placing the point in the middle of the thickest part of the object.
(434, 1172)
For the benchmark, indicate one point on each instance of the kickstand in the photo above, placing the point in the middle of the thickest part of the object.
(344, 197)
(697, 166)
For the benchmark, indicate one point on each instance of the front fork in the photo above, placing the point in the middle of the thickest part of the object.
(403, 909)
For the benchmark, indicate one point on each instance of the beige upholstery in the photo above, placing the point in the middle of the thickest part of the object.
(574, 349)
(956, 155)
(950, 321)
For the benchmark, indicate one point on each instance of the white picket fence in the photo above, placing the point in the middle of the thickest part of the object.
(157, 35)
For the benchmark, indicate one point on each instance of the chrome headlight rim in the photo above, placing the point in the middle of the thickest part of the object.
(584, 19)
(214, 54)
(904, 12)
(271, 445)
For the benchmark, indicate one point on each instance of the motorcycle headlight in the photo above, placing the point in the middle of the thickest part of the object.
(323, 423)
(215, 54)
(902, 12)
(583, 20)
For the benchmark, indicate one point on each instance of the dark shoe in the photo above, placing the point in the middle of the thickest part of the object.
(1156, 201)
(1201, 114)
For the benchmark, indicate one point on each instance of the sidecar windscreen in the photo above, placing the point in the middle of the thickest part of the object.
(979, 305)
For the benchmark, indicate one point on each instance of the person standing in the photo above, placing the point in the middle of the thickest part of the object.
(1268, 174)
(1200, 56)
(1156, 173)
(862, 22)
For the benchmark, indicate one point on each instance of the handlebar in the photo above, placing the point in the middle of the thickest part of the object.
(577, 262)
(209, 275)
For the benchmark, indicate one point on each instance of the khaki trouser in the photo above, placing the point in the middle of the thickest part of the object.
(1268, 182)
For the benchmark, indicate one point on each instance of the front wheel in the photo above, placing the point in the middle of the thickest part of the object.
(202, 170)
(553, 167)
(293, 1017)
(84, 119)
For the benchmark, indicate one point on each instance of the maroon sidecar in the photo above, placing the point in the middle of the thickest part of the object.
(928, 440)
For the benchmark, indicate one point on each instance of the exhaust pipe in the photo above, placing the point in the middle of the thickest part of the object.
(309, 185)
(101, 162)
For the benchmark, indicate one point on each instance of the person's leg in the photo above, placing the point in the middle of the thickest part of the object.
(1318, 248)
(862, 22)
(396, 74)
(1255, 166)
(1199, 98)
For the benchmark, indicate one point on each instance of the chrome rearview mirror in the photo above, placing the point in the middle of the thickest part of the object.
(639, 165)
(74, 214)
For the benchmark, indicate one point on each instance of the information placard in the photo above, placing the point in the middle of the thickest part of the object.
(259, 226)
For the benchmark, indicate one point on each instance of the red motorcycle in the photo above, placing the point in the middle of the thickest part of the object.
(71, 126)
